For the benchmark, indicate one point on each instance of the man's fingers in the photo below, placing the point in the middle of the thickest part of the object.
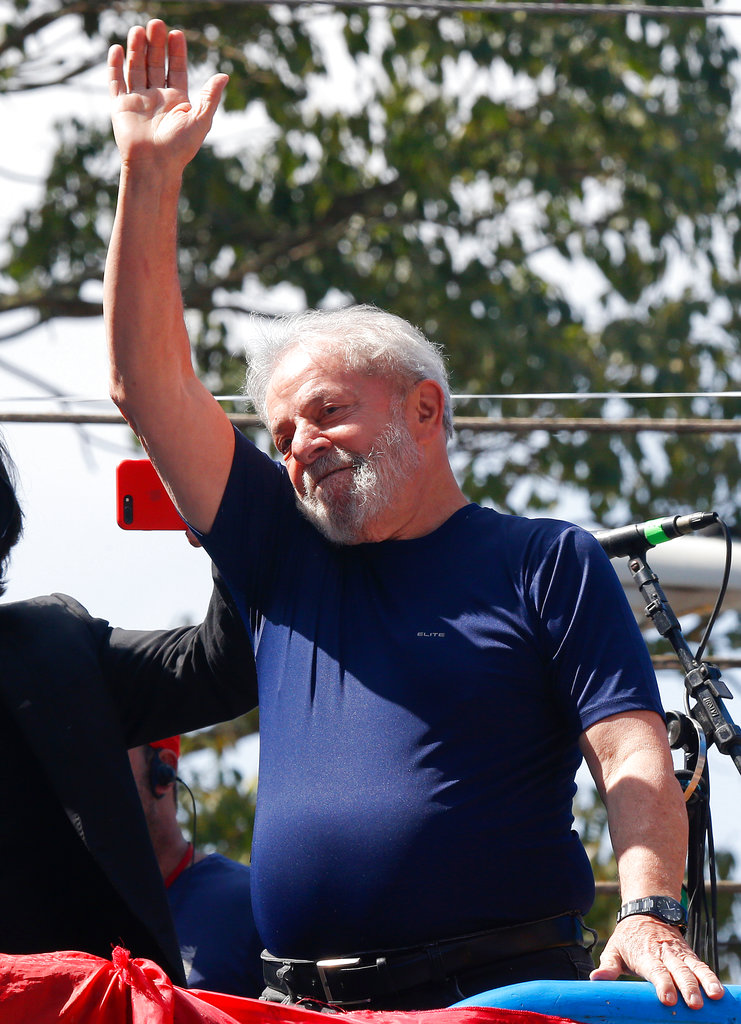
(666, 989)
(154, 59)
(653, 951)
(156, 33)
(691, 976)
(116, 83)
(136, 59)
(177, 61)
(210, 96)
(611, 966)
(711, 984)
(602, 973)
(148, 87)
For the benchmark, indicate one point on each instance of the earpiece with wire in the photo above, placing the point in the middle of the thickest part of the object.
(194, 815)
(160, 774)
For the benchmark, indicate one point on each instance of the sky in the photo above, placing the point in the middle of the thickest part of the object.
(72, 543)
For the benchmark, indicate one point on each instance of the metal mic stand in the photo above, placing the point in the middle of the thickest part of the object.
(706, 721)
(702, 681)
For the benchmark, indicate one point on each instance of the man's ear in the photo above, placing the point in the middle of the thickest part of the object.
(426, 408)
(163, 771)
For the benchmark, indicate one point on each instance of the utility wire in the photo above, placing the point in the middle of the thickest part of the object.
(476, 424)
(539, 396)
(483, 6)
(559, 396)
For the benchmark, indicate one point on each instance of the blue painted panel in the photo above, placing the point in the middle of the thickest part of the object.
(609, 1002)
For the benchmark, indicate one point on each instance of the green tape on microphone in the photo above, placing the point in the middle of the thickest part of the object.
(654, 532)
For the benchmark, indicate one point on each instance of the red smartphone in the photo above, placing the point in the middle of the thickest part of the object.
(142, 503)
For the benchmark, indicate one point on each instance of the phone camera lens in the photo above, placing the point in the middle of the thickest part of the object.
(128, 509)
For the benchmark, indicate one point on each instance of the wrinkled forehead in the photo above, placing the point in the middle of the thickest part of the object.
(311, 371)
(296, 360)
(296, 370)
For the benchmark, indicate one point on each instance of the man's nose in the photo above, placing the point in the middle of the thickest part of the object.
(308, 444)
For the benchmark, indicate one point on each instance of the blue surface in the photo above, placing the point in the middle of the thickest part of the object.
(609, 1002)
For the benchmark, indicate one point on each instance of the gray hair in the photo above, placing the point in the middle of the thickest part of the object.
(368, 340)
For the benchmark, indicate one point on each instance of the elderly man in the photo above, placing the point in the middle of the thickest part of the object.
(431, 672)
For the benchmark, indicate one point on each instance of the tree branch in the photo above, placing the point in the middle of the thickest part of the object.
(16, 35)
(49, 83)
(48, 305)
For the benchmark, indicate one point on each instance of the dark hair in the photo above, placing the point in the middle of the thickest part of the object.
(11, 517)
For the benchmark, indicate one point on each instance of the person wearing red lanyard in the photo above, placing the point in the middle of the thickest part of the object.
(209, 894)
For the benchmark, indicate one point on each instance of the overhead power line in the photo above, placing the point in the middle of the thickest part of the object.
(484, 6)
(510, 396)
(570, 396)
(476, 424)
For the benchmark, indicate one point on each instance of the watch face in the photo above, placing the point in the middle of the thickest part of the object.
(668, 910)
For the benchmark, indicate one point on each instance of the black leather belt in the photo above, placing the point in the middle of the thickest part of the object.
(358, 979)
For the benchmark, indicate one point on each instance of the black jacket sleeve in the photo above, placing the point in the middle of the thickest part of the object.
(170, 681)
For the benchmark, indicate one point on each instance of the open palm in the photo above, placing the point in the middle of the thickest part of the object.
(151, 111)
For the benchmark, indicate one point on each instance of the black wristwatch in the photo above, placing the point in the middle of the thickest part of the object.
(665, 908)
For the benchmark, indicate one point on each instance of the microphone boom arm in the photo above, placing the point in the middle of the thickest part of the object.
(702, 682)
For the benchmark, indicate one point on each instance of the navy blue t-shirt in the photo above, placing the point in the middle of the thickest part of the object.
(211, 908)
(421, 703)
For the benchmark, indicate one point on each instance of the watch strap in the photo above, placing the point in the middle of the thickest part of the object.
(664, 908)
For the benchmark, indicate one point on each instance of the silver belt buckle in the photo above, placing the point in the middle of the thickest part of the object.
(322, 966)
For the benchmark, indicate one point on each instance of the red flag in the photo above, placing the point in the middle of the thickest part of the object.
(78, 988)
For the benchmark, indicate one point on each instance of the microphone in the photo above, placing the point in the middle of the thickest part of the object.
(628, 541)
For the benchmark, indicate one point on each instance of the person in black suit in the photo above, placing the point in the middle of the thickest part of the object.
(77, 868)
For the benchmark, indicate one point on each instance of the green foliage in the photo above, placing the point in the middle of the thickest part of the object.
(225, 815)
(434, 179)
(729, 940)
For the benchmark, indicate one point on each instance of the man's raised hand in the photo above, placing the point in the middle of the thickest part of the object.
(153, 118)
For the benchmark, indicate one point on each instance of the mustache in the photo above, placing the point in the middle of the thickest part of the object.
(335, 459)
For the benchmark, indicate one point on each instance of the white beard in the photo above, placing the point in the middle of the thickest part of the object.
(346, 505)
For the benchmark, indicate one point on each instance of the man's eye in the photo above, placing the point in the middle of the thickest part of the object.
(283, 445)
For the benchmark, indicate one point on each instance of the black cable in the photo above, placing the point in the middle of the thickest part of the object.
(721, 593)
(712, 951)
(195, 819)
(702, 914)
(702, 896)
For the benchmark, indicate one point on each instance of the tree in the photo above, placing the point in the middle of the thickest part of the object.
(477, 163)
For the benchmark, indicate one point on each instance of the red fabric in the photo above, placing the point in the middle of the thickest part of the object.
(185, 860)
(78, 988)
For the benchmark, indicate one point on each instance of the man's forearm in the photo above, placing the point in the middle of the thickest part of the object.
(152, 379)
(158, 131)
(629, 757)
(148, 346)
(648, 826)
(630, 761)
